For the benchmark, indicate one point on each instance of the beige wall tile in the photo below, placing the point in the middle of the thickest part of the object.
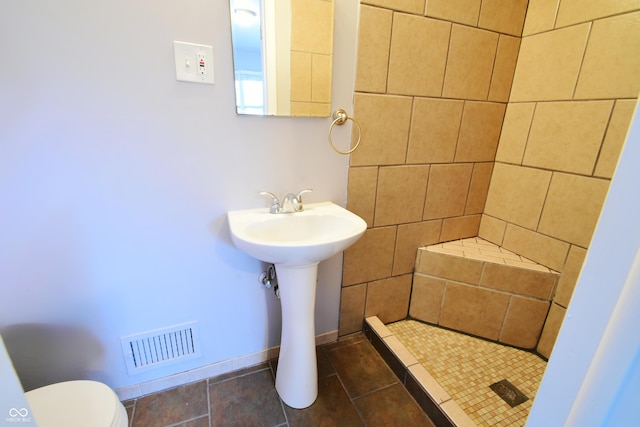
(410, 238)
(479, 188)
(401, 194)
(492, 229)
(371, 257)
(352, 303)
(412, 6)
(611, 64)
(418, 55)
(504, 67)
(541, 16)
(548, 65)
(300, 76)
(313, 31)
(361, 192)
(460, 227)
(426, 298)
(447, 190)
(573, 11)
(530, 283)
(318, 109)
(374, 38)
(450, 267)
(615, 136)
(569, 277)
(462, 11)
(537, 247)
(470, 62)
(321, 78)
(573, 207)
(473, 310)
(550, 330)
(389, 298)
(434, 130)
(517, 194)
(566, 136)
(503, 16)
(301, 109)
(479, 131)
(384, 121)
(523, 322)
(515, 131)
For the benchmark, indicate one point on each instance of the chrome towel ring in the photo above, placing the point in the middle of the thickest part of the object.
(340, 117)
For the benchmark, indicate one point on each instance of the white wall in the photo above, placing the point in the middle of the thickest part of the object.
(592, 378)
(115, 180)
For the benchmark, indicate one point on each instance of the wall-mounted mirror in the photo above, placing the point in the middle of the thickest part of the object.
(282, 56)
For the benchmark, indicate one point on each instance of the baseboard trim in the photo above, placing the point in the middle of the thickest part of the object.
(198, 374)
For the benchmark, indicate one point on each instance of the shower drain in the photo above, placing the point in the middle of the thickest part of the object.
(509, 393)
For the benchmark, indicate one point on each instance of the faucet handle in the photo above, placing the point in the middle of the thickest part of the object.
(299, 195)
(275, 204)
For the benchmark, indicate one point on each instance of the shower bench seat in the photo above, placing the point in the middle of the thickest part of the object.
(476, 287)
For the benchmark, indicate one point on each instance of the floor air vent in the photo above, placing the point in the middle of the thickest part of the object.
(161, 347)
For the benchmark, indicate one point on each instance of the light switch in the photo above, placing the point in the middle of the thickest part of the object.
(194, 62)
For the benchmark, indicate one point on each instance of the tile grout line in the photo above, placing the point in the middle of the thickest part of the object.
(282, 408)
(209, 403)
(344, 388)
(369, 393)
(133, 412)
(180, 423)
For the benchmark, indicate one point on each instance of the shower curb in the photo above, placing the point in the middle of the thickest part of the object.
(431, 397)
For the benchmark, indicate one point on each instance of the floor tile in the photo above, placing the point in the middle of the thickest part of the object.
(172, 406)
(198, 422)
(324, 364)
(239, 373)
(332, 407)
(347, 369)
(361, 368)
(249, 400)
(345, 342)
(391, 406)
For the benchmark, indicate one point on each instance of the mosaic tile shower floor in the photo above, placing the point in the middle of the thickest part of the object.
(465, 367)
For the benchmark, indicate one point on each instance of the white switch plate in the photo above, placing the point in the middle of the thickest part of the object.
(194, 62)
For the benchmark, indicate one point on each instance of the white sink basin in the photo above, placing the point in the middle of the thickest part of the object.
(308, 237)
(296, 243)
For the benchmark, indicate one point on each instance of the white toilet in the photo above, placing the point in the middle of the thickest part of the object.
(77, 404)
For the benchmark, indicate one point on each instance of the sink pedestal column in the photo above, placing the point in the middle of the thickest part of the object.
(297, 376)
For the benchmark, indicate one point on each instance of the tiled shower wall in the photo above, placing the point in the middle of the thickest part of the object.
(311, 57)
(433, 88)
(431, 93)
(572, 99)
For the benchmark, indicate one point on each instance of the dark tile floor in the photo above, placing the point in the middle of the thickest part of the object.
(355, 388)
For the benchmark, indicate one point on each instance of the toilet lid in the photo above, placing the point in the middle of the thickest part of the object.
(76, 403)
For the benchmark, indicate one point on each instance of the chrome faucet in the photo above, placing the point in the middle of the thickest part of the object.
(291, 203)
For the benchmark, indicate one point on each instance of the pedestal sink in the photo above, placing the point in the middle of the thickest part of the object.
(296, 243)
